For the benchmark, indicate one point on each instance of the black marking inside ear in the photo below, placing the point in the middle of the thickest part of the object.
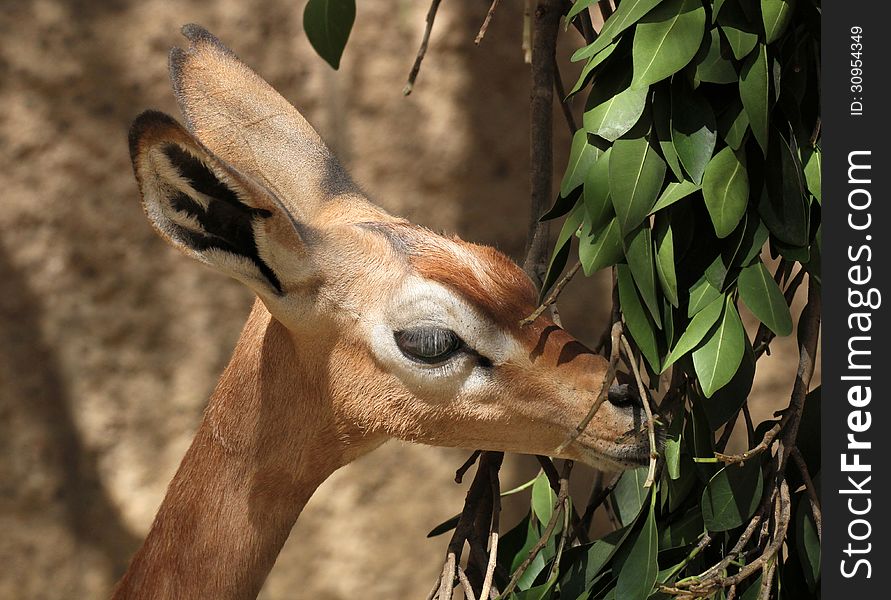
(199, 176)
(227, 222)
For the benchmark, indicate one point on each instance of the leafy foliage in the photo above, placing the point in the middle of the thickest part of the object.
(698, 130)
(697, 166)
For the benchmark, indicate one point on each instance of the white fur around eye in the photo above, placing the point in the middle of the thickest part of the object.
(421, 303)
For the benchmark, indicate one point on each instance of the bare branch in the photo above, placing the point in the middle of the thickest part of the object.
(546, 21)
(552, 298)
(545, 536)
(465, 584)
(811, 490)
(460, 471)
(651, 423)
(563, 101)
(422, 51)
(485, 27)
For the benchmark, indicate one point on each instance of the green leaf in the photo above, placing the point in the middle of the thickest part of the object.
(596, 192)
(666, 39)
(700, 442)
(692, 128)
(639, 255)
(661, 111)
(683, 532)
(577, 7)
(675, 191)
(776, 15)
(543, 499)
(539, 592)
(515, 545)
(560, 207)
(582, 156)
(725, 402)
(563, 246)
(753, 592)
(627, 14)
(585, 563)
(754, 89)
(638, 571)
(717, 360)
(629, 495)
(784, 206)
(636, 172)
(753, 242)
(593, 62)
(812, 173)
(733, 124)
(714, 64)
(702, 293)
(673, 446)
(740, 32)
(725, 187)
(679, 489)
(327, 24)
(665, 268)
(764, 298)
(613, 107)
(732, 495)
(639, 324)
(602, 249)
(807, 540)
(445, 526)
(699, 326)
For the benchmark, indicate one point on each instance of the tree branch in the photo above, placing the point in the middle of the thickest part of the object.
(422, 51)
(546, 20)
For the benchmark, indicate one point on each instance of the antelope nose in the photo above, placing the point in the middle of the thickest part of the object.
(623, 396)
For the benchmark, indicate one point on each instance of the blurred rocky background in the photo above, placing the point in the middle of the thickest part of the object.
(110, 342)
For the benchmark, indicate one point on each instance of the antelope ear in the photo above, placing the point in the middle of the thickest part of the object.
(207, 209)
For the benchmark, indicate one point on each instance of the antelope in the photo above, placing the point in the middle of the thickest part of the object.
(366, 327)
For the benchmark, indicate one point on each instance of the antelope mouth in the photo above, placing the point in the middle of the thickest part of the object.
(629, 451)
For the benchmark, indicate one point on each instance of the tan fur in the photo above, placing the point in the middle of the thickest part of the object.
(316, 379)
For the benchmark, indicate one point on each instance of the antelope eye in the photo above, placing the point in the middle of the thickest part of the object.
(429, 345)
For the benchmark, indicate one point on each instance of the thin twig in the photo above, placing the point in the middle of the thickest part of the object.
(447, 581)
(764, 444)
(811, 490)
(767, 580)
(552, 298)
(543, 540)
(599, 494)
(527, 32)
(422, 51)
(485, 27)
(465, 584)
(809, 334)
(460, 471)
(563, 101)
(651, 423)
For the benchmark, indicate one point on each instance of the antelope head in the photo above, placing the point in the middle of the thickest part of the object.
(404, 332)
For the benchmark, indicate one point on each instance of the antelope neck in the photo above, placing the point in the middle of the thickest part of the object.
(268, 439)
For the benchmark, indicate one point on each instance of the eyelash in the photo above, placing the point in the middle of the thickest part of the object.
(422, 344)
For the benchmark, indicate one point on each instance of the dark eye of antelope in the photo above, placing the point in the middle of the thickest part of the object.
(430, 345)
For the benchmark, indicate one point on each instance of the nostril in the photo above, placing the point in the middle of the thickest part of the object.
(623, 395)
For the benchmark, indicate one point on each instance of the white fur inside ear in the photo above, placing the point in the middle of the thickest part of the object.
(422, 303)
